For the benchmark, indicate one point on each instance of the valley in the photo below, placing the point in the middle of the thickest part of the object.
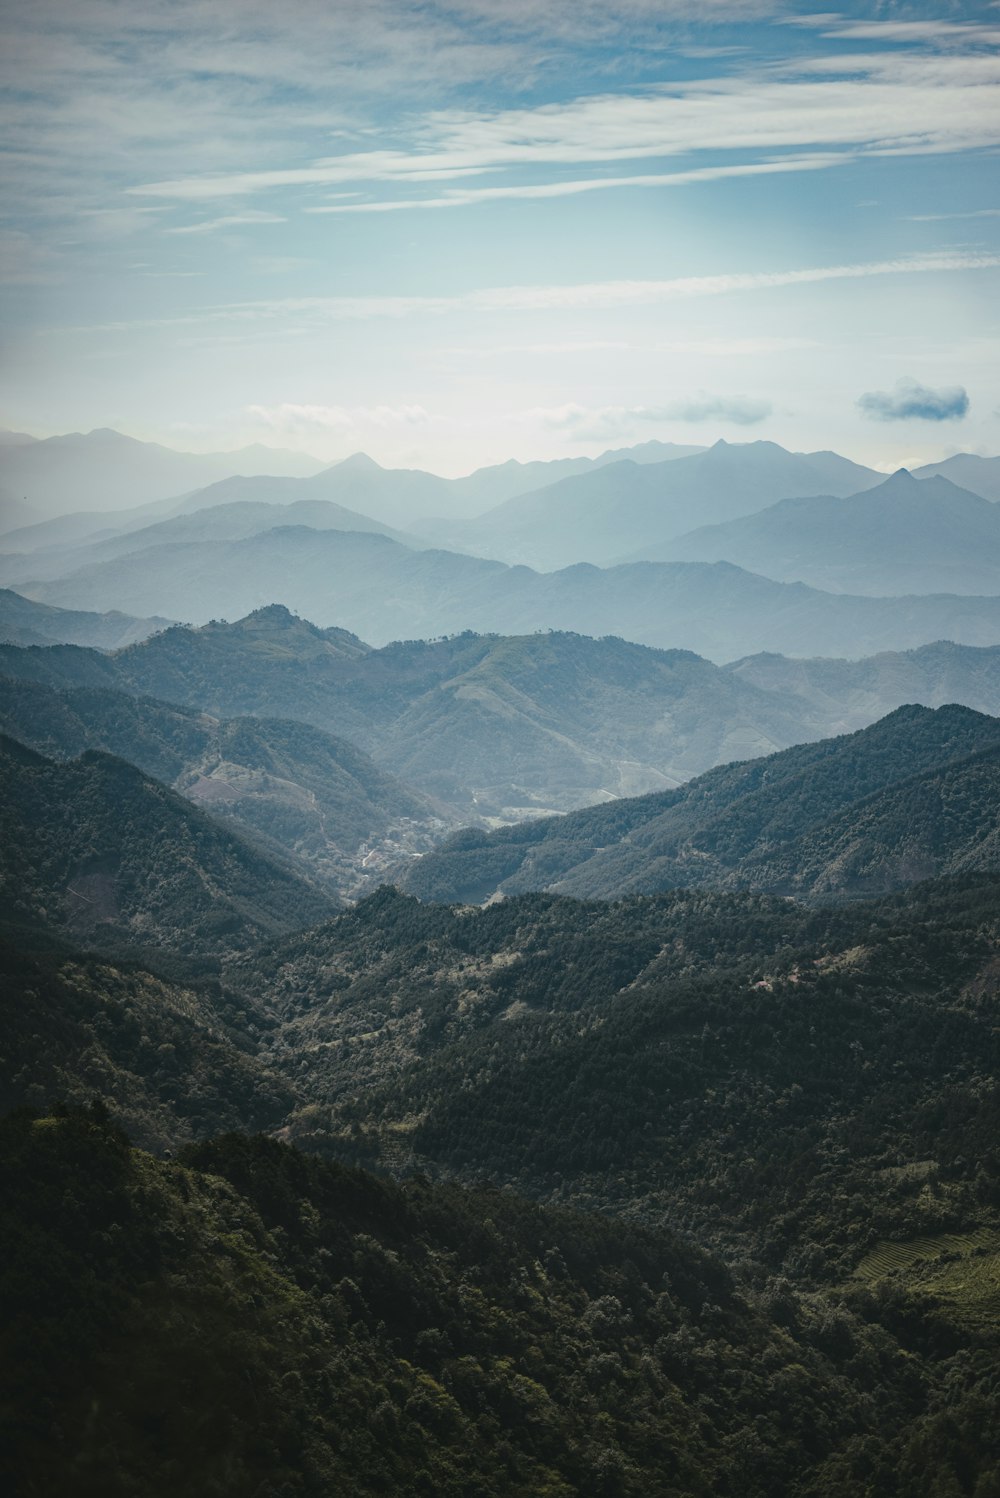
(507, 1043)
(500, 749)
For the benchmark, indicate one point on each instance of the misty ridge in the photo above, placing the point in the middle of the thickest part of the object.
(510, 959)
(500, 750)
(659, 545)
(767, 599)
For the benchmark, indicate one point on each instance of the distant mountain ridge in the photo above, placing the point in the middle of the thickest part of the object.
(103, 478)
(969, 471)
(614, 511)
(104, 469)
(857, 692)
(23, 622)
(905, 535)
(230, 520)
(383, 591)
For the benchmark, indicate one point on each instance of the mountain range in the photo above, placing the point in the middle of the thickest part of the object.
(914, 795)
(227, 520)
(383, 591)
(805, 552)
(106, 470)
(103, 478)
(491, 727)
(606, 514)
(905, 535)
(968, 470)
(642, 1141)
(774, 1125)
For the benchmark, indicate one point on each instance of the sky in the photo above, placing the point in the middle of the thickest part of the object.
(452, 233)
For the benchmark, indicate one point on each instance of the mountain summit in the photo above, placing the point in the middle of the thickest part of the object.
(906, 535)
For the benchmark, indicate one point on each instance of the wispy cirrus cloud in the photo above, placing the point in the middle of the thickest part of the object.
(716, 348)
(214, 100)
(911, 401)
(119, 91)
(940, 218)
(934, 33)
(555, 296)
(462, 197)
(590, 423)
(229, 221)
(824, 108)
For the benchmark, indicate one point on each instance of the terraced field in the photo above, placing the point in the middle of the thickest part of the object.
(896, 1258)
(960, 1272)
(970, 1290)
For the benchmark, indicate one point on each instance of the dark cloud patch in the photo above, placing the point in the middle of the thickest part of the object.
(910, 401)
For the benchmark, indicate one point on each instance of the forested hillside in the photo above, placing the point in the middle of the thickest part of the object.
(736, 1064)
(97, 849)
(493, 726)
(499, 726)
(178, 1055)
(783, 1119)
(300, 792)
(911, 796)
(249, 1319)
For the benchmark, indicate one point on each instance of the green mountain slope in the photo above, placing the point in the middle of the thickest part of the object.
(490, 725)
(867, 812)
(180, 1058)
(315, 797)
(97, 849)
(250, 1320)
(738, 1065)
(504, 726)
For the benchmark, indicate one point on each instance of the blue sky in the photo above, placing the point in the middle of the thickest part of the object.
(452, 233)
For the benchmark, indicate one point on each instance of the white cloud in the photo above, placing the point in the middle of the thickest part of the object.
(881, 103)
(305, 418)
(228, 221)
(934, 33)
(461, 197)
(590, 423)
(742, 410)
(937, 218)
(570, 297)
